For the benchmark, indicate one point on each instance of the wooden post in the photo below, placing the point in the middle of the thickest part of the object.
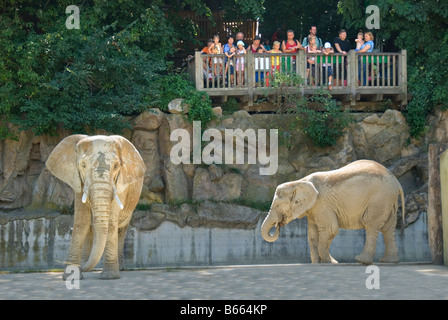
(250, 75)
(435, 203)
(301, 69)
(403, 77)
(352, 75)
(444, 197)
(199, 70)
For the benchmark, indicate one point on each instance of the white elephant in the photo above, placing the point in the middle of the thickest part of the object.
(361, 195)
(106, 174)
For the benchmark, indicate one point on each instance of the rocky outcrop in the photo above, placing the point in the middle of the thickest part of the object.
(380, 138)
(209, 214)
(25, 182)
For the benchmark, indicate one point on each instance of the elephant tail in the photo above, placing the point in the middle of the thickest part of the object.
(403, 205)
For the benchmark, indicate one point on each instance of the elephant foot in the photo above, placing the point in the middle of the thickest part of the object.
(389, 259)
(364, 259)
(110, 274)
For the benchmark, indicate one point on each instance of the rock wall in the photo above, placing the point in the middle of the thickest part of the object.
(25, 182)
(26, 185)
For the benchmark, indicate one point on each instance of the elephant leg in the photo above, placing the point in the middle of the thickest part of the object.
(87, 248)
(325, 240)
(327, 232)
(121, 237)
(367, 254)
(313, 238)
(81, 227)
(111, 268)
(391, 251)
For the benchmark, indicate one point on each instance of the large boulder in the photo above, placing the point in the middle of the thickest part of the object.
(213, 184)
(381, 138)
(178, 106)
(147, 143)
(148, 120)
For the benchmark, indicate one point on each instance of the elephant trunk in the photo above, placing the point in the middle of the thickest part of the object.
(270, 221)
(100, 200)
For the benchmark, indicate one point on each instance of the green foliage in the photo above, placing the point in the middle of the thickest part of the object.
(178, 86)
(171, 87)
(244, 9)
(200, 107)
(420, 27)
(298, 16)
(230, 106)
(283, 97)
(83, 79)
(323, 123)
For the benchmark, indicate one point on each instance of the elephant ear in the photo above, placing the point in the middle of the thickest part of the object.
(62, 161)
(132, 166)
(304, 197)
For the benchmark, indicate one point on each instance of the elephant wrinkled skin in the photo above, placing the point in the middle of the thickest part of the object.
(106, 173)
(361, 195)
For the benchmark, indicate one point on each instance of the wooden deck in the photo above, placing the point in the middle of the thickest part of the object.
(356, 76)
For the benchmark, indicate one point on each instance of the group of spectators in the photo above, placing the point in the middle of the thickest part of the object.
(235, 46)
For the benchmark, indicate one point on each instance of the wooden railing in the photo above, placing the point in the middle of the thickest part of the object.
(352, 75)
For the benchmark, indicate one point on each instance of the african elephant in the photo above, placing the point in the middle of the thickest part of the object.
(361, 195)
(106, 173)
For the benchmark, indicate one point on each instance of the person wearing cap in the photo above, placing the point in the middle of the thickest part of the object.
(255, 45)
(326, 65)
(240, 63)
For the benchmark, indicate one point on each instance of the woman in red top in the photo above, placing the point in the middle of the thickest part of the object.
(255, 45)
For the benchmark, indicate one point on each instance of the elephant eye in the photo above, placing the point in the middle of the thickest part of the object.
(116, 166)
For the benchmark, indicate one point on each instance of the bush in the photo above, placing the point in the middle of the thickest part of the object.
(177, 85)
(324, 124)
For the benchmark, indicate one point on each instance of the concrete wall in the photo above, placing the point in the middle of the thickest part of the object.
(42, 242)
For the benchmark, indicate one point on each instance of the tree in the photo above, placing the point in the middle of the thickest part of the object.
(83, 79)
(420, 27)
(95, 76)
(295, 15)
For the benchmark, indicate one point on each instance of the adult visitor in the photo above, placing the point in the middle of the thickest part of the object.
(366, 47)
(313, 32)
(342, 45)
(291, 45)
(255, 45)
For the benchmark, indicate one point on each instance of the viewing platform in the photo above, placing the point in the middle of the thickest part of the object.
(356, 76)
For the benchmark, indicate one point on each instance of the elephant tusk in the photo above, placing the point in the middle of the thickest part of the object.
(116, 197)
(118, 201)
(84, 197)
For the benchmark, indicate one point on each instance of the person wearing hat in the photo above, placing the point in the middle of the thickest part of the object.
(239, 67)
(256, 44)
(326, 65)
